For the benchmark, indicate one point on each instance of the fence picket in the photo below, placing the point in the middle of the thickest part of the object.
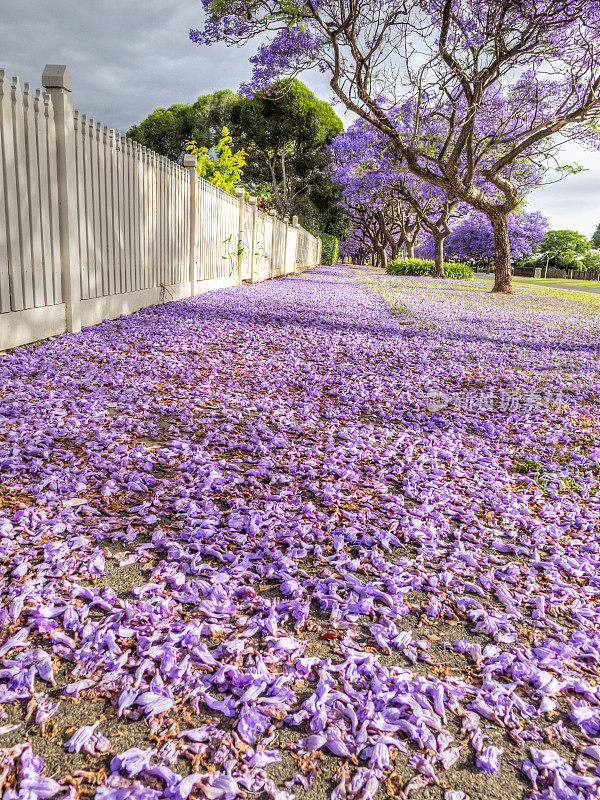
(33, 191)
(88, 223)
(20, 157)
(5, 305)
(81, 234)
(100, 203)
(53, 196)
(10, 195)
(41, 147)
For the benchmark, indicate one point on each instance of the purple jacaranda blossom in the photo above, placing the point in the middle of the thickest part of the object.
(489, 759)
(154, 703)
(449, 757)
(365, 781)
(4, 729)
(80, 738)
(127, 698)
(252, 723)
(20, 759)
(312, 743)
(132, 761)
(39, 787)
(215, 786)
(226, 707)
(546, 759)
(587, 718)
(337, 747)
(133, 792)
(304, 780)
(263, 757)
(18, 640)
(187, 785)
(592, 750)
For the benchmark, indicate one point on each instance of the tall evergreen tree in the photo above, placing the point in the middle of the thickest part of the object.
(285, 133)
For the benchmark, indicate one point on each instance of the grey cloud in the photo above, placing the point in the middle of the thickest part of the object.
(125, 58)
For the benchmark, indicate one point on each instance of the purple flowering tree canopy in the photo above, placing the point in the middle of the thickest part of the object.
(473, 237)
(373, 177)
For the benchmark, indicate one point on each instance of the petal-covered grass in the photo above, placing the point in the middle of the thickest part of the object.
(333, 535)
(589, 284)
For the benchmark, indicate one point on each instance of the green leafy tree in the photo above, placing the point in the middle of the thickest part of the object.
(166, 130)
(591, 260)
(565, 249)
(227, 169)
(321, 211)
(285, 132)
(596, 238)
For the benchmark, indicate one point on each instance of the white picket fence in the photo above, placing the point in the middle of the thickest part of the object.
(93, 225)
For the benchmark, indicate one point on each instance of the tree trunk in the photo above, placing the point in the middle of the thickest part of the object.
(438, 272)
(382, 258)
(410, 250)
(502, 274)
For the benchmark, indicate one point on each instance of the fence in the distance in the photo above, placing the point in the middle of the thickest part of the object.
(93, 225)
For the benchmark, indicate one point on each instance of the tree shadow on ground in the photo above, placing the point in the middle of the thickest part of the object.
(379, 328)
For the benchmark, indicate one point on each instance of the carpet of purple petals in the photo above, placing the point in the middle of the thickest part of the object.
(233, 525)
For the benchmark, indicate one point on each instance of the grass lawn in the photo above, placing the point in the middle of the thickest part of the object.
(562, 281)
(543, 281)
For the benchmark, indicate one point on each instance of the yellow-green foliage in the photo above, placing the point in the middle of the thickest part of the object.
(225, 171)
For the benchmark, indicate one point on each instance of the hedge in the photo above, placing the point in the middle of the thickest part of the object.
(331, 249)
(424, 267)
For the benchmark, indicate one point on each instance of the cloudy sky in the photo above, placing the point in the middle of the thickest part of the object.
(126, 57)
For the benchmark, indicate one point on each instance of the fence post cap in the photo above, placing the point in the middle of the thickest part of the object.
(286, 220)
(190, 160)
(273, 213)
(252, 200)
(295, 220)
(56, 76)
(240, 191)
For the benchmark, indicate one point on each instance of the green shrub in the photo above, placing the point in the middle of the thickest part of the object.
(331, 249)
(424, 267)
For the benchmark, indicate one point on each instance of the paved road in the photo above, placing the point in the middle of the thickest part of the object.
(593, 288)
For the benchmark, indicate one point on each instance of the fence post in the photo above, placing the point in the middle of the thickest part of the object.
(254, 212)
(239, 193)
(296, 225)
(273, 214)
(286, 222)
(189, 162)
(57, 81)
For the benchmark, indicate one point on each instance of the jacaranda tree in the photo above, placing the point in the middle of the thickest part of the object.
(473, 238)
(509, 81)
(370, 170)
